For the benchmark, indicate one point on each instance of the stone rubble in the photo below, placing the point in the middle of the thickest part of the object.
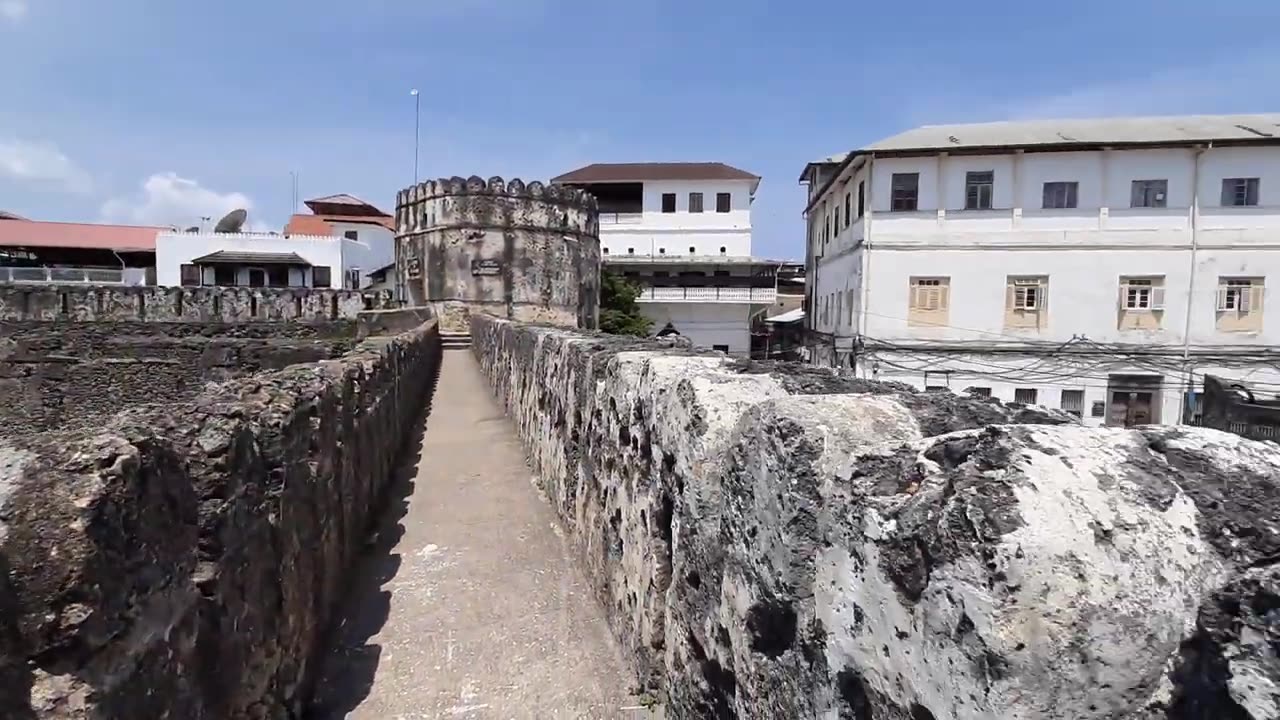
(774, 541)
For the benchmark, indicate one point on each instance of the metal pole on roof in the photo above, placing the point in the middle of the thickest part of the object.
(417, 124)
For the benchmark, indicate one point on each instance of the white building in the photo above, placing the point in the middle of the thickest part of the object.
(683, 230)
(261, 260)
(1099, 266)
(370, 229)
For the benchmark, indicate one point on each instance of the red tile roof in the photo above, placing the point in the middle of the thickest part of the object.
(641, 172)
(33, 233)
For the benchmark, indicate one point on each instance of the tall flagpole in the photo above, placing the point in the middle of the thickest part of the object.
(417, 124)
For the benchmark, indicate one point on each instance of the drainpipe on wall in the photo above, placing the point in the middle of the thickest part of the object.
(1191, 280)
(868, 201)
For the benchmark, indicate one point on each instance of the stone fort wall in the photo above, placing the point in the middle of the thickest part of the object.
(183, 560)
(774, 541)
(71, 355)
(525, 252)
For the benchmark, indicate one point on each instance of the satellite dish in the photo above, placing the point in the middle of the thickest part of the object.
(232, 222)
(193, 229)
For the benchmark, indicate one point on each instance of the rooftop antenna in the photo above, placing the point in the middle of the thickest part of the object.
(232, 222)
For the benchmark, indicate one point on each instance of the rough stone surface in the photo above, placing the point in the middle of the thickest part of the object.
(525, 252)
(779, 542)
(184, 304)
(182, 562)
(63, 374)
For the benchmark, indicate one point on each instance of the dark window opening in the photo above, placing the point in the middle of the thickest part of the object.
(695, 202)
(190, 274)
(847, 219)
(1149, 194)
(1060, 195)
(1239, 192)
(723, 202)
(979, 187)
(257, 277)
(278, 276)
(321, 276)
(224, 276)
(862, 198)
(351, 235)
(904, 194)
(616, 199)
(721, 348)
(668, 202)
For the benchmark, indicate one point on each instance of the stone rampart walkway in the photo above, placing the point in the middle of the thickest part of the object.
(469, 604)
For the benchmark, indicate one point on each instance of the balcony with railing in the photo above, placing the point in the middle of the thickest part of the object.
(621, 218)
(71, 275)
(758, 295)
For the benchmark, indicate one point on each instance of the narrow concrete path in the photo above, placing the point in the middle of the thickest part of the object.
(469, 604)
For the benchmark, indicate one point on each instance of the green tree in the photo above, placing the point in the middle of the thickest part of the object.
(619, 312)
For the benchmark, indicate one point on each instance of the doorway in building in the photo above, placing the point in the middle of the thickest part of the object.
(1134, 400)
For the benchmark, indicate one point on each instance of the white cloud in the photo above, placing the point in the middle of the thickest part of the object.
(13, 10)
(39, 162)
(167, 199)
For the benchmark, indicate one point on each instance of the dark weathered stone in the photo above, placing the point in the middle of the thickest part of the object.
(530, 253)
(181, 562)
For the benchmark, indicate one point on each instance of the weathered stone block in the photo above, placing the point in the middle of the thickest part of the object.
(780, 542)
(182, 561)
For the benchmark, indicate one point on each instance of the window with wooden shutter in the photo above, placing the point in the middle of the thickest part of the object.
(1239, 304)
(1026, 301)
(190, 274)
(929, 301)
(1141, 303)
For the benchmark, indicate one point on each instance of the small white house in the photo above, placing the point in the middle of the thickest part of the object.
(263, 260)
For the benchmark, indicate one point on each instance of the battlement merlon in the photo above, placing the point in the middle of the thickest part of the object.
(410, 200)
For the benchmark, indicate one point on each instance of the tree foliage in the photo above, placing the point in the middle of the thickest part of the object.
(619, 312)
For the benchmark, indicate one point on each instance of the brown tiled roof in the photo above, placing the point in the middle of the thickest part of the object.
(243, 257)
(32, 233)
(343, 204)
(320, 224)
(641, 172)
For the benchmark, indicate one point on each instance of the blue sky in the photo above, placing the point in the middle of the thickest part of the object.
(165, 110)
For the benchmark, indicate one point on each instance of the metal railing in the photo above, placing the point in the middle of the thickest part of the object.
(96, 276)
(621, 218)
(708, 294)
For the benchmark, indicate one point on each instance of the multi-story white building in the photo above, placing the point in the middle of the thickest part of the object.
(1100, 266)
(683, 230)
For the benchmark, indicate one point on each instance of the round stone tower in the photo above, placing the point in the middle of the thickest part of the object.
(525, 252)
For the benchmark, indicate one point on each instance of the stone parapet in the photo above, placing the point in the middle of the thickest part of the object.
(183, 562)
(119, 303)
(775, 541)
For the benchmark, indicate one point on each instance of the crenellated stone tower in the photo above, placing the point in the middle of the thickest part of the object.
(525, 252)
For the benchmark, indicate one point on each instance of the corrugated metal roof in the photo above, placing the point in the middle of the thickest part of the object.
(249, 257)
(641, 172)
(1103, 131)
(34, 233)
(787, 317)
